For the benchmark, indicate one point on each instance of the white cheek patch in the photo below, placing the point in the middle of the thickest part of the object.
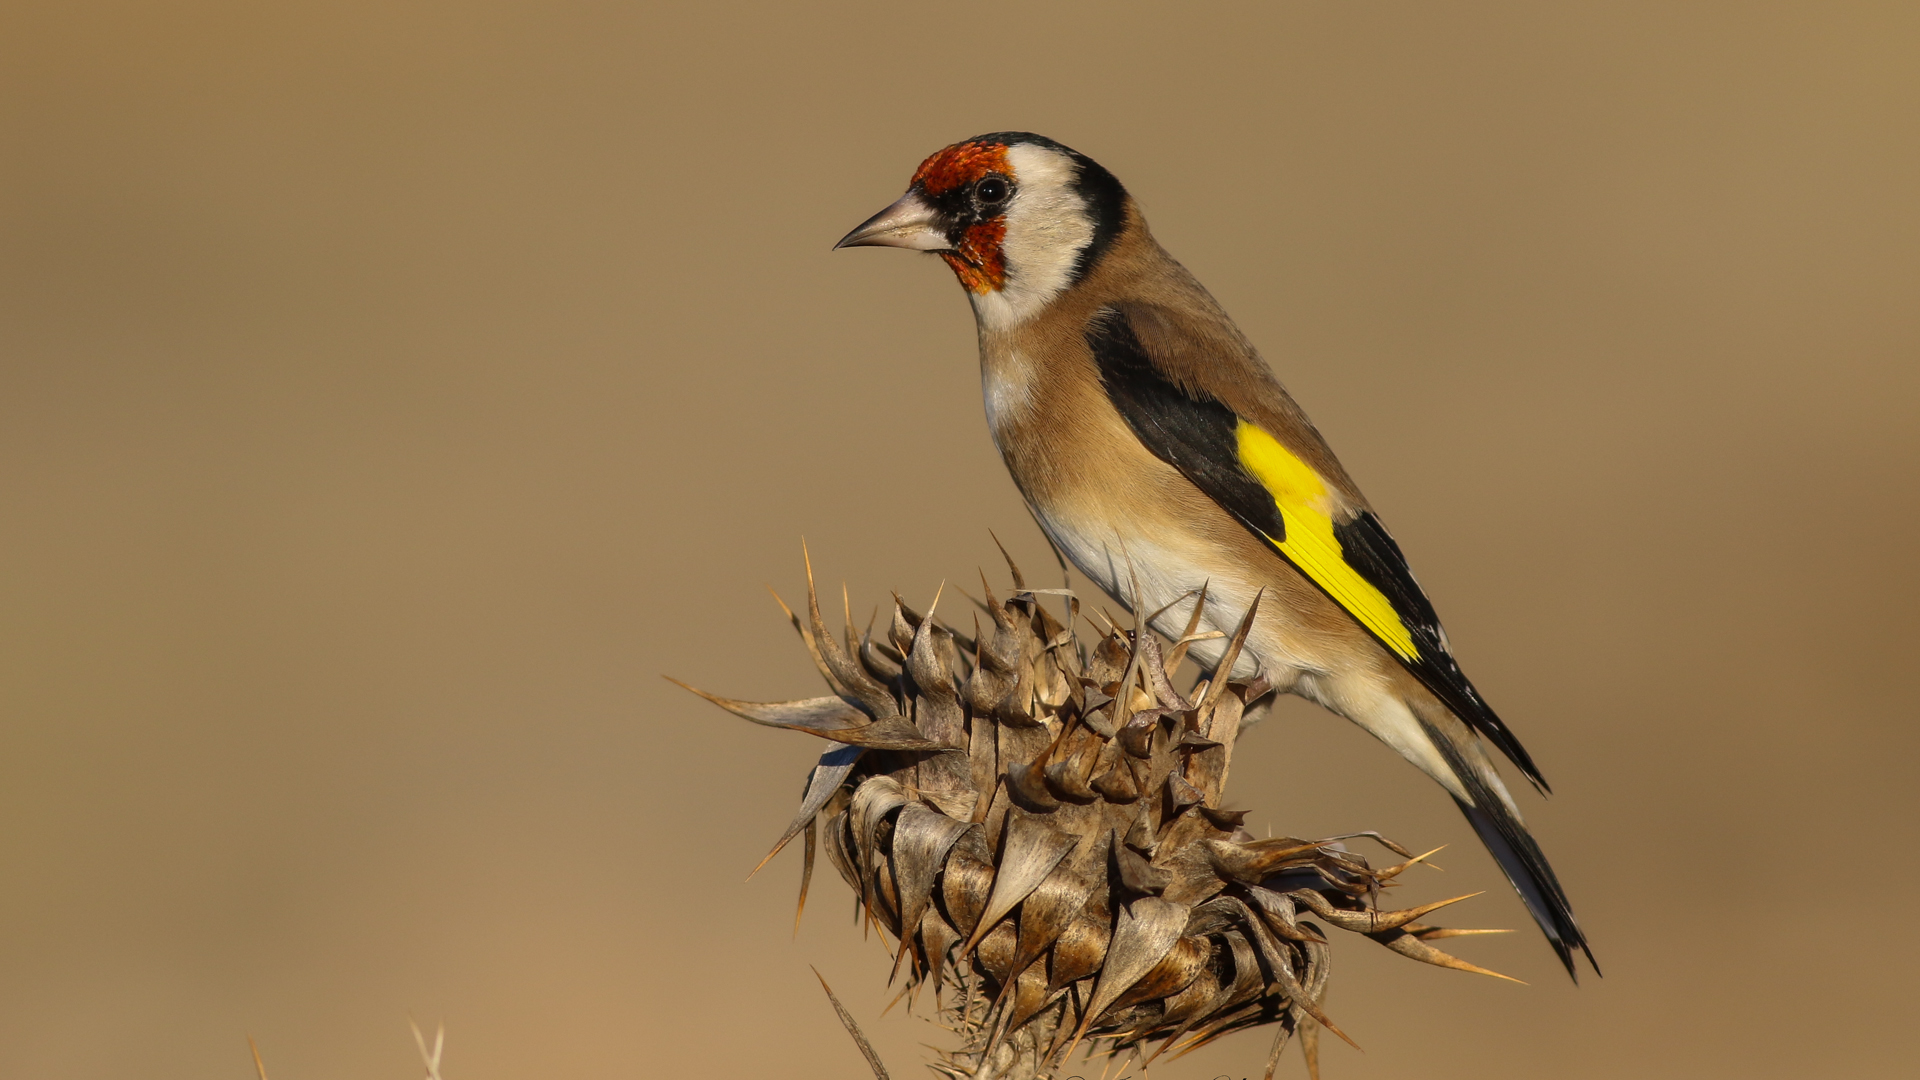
(1047, 228)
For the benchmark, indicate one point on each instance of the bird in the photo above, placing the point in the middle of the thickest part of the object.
(1160, 454)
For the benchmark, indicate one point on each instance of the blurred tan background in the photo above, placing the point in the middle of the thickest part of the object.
(391, 392)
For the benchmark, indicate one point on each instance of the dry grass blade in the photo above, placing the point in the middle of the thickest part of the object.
(853, 1029)
(430, 1058)
(258, 1065)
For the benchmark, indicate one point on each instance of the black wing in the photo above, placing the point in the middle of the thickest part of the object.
(1200, 436)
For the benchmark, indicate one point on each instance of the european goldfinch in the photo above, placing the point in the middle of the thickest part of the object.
(1155, 447)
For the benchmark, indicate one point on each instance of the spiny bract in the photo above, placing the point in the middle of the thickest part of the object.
(1039, 826)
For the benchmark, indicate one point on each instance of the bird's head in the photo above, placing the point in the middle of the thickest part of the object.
(1019, 217)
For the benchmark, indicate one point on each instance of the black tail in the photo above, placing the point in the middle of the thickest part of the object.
(1532, 878)
(1525, 865)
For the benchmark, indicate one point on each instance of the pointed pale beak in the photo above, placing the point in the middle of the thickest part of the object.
(910, 223)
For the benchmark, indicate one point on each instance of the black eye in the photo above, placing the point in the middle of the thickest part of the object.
(992, 190)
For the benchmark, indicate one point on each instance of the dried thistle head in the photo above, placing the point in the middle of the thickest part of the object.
(1038, 824)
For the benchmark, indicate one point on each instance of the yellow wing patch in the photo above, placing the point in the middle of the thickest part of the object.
(1301, 497)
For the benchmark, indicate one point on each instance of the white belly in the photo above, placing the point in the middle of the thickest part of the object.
(1167, 580)
(1164, 579)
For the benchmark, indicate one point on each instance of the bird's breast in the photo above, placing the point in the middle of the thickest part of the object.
(1006, 386)
(1133, 523)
